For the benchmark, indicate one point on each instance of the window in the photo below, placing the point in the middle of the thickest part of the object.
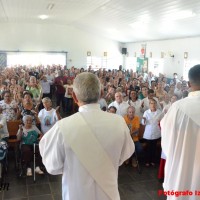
(35, 59)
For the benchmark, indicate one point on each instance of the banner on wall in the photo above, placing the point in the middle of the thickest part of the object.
(142, 65)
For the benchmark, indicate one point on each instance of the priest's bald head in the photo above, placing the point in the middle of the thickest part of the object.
(194, 77)
(86, 88)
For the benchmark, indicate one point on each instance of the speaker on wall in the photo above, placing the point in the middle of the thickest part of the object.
(124, 50)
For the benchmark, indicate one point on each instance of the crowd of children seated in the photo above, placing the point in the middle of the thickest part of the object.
(27, 91)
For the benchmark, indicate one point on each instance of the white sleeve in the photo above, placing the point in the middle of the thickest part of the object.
(40, 114)
(144, 115)
(168, 130)
(52, 150)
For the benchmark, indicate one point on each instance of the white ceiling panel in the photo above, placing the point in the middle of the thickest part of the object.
(124, 21)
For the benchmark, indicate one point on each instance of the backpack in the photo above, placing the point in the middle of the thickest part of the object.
(3, 149)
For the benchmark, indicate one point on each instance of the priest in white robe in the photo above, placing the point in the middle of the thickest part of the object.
(88, 147)
(181, 143)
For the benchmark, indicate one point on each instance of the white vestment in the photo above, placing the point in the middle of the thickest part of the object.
(58, 157)
(180, 129)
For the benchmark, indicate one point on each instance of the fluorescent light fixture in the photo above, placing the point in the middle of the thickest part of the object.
(184, 14)
(43, 17)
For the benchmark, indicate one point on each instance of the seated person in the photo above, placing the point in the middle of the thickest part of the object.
(4, 135)
(48, 116)
(133, 123)
(28, 135)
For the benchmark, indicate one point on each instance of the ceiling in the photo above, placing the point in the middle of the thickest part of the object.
(120, 20)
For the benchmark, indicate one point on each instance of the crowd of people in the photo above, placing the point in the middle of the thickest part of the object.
(29, 92)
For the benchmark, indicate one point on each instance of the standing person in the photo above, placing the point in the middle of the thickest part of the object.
(145, 102)
(79, 147)
(180, 141)
(60, 81)
(48, 116)
(46, 86)
(8, 107)
(152, 133)
(68, 96)
(35, 89)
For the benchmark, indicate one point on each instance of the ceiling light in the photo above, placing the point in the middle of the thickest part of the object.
(43, 17)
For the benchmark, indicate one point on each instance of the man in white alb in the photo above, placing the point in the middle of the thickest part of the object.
(181, 143)
(88, 147)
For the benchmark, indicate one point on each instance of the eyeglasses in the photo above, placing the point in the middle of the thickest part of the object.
(6, 96)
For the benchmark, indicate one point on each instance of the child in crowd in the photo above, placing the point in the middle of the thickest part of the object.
(112, 109)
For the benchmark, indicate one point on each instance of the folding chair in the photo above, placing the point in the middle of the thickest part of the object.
(13, 127)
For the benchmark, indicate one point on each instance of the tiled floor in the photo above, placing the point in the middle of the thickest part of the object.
(132, 185)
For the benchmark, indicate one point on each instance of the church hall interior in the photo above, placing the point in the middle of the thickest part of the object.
(136, 48)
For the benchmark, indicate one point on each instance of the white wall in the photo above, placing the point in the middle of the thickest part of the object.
(46, 37)
(177, 47)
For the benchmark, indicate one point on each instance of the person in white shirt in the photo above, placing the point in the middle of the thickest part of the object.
(180, 142)
(166, 101)
(166, 107)
(48, 116)
(152, 133)
(145, 101)
(87, 147)
(121, 105)
(178, 90)
(46, 85)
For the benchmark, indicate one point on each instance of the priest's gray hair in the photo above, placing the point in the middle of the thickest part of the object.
(87, 87)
